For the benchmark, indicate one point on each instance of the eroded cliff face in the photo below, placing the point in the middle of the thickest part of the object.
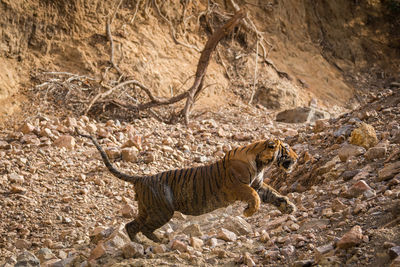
(322, 50)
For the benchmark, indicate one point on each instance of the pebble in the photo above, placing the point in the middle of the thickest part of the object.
(351, 238)
(226, 235)
(132, 250)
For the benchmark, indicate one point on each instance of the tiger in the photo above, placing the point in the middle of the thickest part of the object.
(238, 176)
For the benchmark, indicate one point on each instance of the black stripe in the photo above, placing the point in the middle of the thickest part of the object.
(219, 176)
(204, 180)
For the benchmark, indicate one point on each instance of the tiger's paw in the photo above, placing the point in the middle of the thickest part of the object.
(287, 206)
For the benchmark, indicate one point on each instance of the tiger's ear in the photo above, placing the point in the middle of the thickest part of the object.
(271, 144)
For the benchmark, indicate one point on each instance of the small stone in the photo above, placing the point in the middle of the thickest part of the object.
(159, 248)
(127, 211)
(132, 250)
(103, 133)
(351, 238)
(348, 151)
(226, 235)
(71, 122)
(238, 225)
(394, 252)
(22, 244)
(16, 178)
(91, 128)
(27, 259)
(264, 236)
(375, 153)
(193, 230)
(247, 260)
(17, 190)
(100, 233)
(27, 128)
(347, 175)
(65, 141)
(112, 152)
(149, 157)
(130, 154)
(97, 252)
(338, 205)
(45, 254)
(323, 251)
(395, 262)
(212, 242)
(389, 171)
(357, 189)
(196, 243)
(320, 126)
(364, 136)
(179, 245)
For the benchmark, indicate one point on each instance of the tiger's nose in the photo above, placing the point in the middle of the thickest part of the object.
(286, 164)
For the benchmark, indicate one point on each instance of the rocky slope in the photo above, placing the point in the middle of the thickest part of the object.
(60, 206)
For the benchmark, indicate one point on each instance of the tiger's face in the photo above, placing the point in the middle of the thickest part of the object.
(278, 152)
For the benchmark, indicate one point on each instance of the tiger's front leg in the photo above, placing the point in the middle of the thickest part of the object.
(269, 195)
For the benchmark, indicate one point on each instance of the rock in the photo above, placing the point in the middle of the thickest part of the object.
(364, 136)
(112, 152)
(348, 151)
(320, 126)
(347, 175)
(323, 251)
(91, 128)
(27, 259)
(303, 263)
(159, 248)
(360, 187)
(149, 157)
(196, 243)
(247, 260)
(130, 154)
(375, 153)
(4, 145)
(344, 130)
(27, 128)
(394, 252)
(65, 141)
(351, 238)
(97, 252)
(23, 244)
(226, 235)
(389, 171)
(276, 96)
(238, 225)
(300, 115)
(45, 254)
(395, 262)
(264, 236)
(179, 245)
(100, 233)
(127, 211)
(17, 190)
(338, 205)
(193, 230)
(212, 242)
(16, 178)
(132, 250)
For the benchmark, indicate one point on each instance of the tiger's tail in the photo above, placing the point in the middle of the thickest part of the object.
(106, 160)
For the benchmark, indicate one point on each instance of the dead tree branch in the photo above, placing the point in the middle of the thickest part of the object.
(204, 60)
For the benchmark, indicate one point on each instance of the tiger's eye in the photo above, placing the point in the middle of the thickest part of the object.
(271, 144)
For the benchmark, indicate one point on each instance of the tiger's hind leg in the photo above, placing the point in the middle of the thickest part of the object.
(135, 226)
(270, 195)
(154, 220)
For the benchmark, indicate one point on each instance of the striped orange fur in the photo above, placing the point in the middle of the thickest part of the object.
(193, 191)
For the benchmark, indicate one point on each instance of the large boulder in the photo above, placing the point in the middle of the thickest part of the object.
(301, 115)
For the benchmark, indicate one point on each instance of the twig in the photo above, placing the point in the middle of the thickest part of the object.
(255, 76)
(136, 10)
(223, 64)
(108, 31)
(173, 32)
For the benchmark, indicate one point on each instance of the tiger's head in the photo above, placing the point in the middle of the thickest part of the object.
(276, 151)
